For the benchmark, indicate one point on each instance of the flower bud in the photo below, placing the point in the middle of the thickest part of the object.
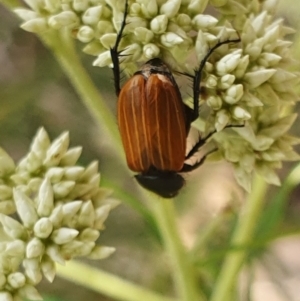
(34, 248)
(184, 21)
(170, 39)
(12, 228)
(149, 8)
(64, 235)
(15, 248)
(32, 269)
(269, 59)
(64, 19)
(80, 5)
(256, 78)
(228, 63)
(52, 5)
(45, 199)
(197, 6)
(159, 24)
(71, 156)
(37, 25)
(85, 34)
(86, 215)
(101, 252)
(101, 215)
(25, 208)
(43, 227)
(211, 82)
(90, 171)
(215, 102)
(92, 15)
(55, 174)
(26, 14)
(242, 66)
(150, 51)
(226, 81)
(70, 209)
(143, 34)
(6, 296)
(41, 142)
(170, 8)
(204, 21)
(54, 253)
(234, 94)
(222, 119)
(63, 188)
(16, 280)
(240, 113)
(48, 268)
(7, 165)
(89, 234)
(103, 59)
(30, 292)
(132, 52)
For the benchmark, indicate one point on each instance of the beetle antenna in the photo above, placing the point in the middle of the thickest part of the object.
(198, 75)
(115, 53)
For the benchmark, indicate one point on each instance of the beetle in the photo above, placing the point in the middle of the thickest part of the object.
(154, 122)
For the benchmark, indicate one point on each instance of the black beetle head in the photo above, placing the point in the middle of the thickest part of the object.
(165, 184)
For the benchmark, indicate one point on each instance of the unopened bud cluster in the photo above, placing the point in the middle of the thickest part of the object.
(61, 210)
(244, 83)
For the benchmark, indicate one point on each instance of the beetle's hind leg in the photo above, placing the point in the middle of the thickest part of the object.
(115, 53)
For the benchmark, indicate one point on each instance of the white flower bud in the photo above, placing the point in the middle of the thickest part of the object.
(34, 248)
(240, 113)
(30, 292)
(255, 49)
(70, 209)
(12, 228)
(143, 34)
(268, 174)
(64, 235)
(37, 25)
(108, 40)
(64, 19)
(281, 76)
(63, 188)
(256, 78)
(215, 102)
(55, 174)
(26, 14)
(159, 24)
(32, 269)
(132, 52)
(89, 234)
(90, 171)
(57, 149)
(151, 51)
(6, 296)
(41, 142)
(48, 268)
(15, 248)
(103, 59)
(16, 280)
(170, 8)
(228, 63)
(92, 15)
(80, 5)
(242, 66)
(56, 216)
(71, 156)
(170, 39)
(222, 119)
(149, 8)
(52, 5)
(211, 81)
(269, 59)
(204, 21)
(272, 35)
(7, 164)
(73, 173)
(226, 81)
(45, 199)
(197, 6)
(259, 23)
(134, 22)
(101, 215)
(234, 94)
(25, 208)
(251, 100)
(53, 251)
(101, 252)
(43, 227)
(86, 215)
(85, 34)
(184, 21)
(201, 46)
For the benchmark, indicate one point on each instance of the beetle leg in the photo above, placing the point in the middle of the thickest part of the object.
(198, 75)
(115, 53)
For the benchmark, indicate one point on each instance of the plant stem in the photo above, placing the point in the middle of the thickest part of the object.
(106, 283)
(242, 236)
(182, 269)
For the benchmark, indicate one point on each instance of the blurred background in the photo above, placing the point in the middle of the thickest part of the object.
(34, 92)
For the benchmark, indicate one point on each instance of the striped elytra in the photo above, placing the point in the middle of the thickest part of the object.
(152, 120)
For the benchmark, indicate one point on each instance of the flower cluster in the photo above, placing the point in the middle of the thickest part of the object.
(61, 211)
(245, 83)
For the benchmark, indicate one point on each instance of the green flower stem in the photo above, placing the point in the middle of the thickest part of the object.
(242, 236)
(182, 272)
(62, 46)
(107, 283)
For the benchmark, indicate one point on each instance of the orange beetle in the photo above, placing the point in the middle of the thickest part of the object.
(154, 122)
